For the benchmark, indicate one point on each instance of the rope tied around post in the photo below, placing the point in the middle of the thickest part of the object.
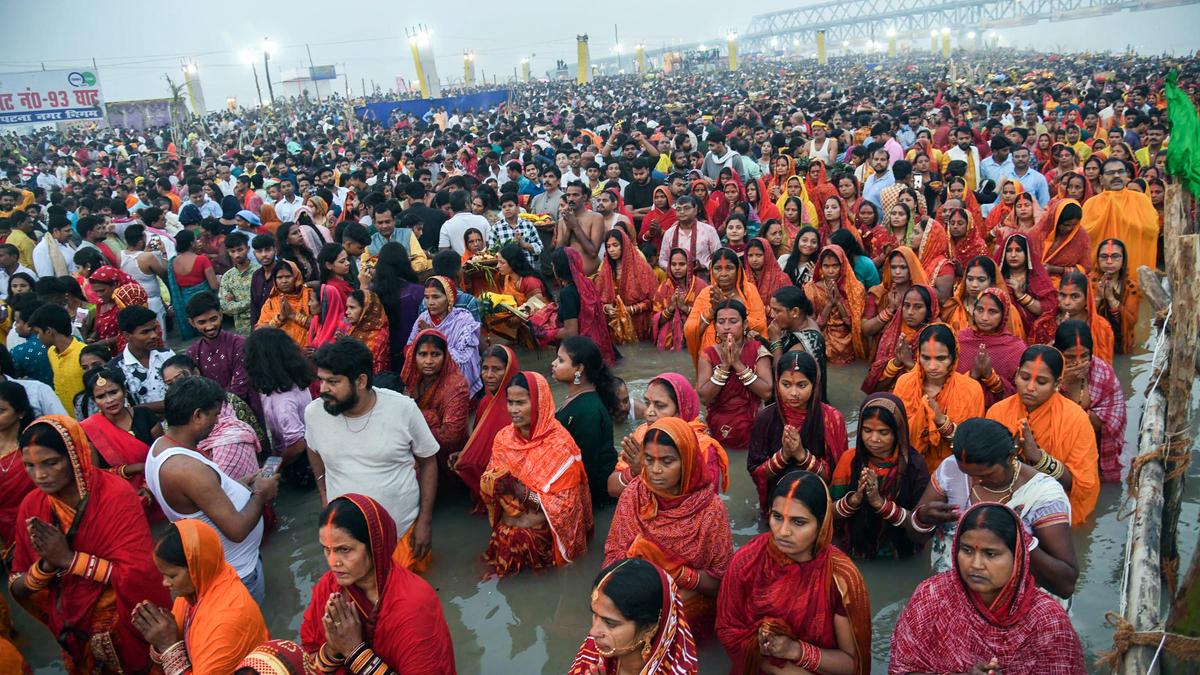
(1176, 457)
(1181, 647)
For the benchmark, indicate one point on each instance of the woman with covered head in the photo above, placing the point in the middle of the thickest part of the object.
(1029, 287)
(288, 306)
(1066, 244)
(1118, 296)
(987, 613)
(214, 622)
(672, 516)
(673, 301)
(1076, 303)
(792, 599)
(535, 487)
(457, 326)
(1092, 384)
(877, 483)
(936, 396)
(763, 269)
(979, 273)
(116, 290)
(626, 283)
(498, 367)
(729, 282)
(368, 614)
(798, 430)
(896, 352)
(670, 395)
(1053, 433)
(434, 381)
(901, 271)
(638, 624)
(838, 300)
(85, 587)
(990, 353)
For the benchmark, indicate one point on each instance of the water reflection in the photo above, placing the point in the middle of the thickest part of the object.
(535, 622)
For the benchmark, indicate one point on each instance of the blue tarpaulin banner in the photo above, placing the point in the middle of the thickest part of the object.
(482, 101)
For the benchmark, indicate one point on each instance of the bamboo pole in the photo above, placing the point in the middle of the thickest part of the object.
(1180, 252)
(1143, 592)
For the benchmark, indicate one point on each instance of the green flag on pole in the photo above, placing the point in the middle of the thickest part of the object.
(1183, 154)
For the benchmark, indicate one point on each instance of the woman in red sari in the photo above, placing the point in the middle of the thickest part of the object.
(798, 431)
(638, 624)
(671, 516)
(988, 350)
(535, 487)
(1066, 244)
(121, 434)
(986, 614)
(626, 283)
(896, 353)
(783, 167)
(757, 193)
(937, 257)
(1076, 302)
(762, 268)
(498, 367)
(84, 589)
(580, 310)
(792, 599)
(15, 414)
(673, 301)
(1029, 287)
(966, 242)
(1009, 189)
(434, 381)
(817, 184)
(367, 614)
(116, 290)
(834, 215)
(659, 219)
(329, 319)
(367, 322)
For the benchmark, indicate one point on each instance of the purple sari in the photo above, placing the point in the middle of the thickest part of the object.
(462, 337)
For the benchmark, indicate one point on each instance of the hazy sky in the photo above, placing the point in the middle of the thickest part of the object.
(136, 43)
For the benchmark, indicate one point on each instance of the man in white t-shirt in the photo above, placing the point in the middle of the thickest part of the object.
(366, 441)
(453, 234)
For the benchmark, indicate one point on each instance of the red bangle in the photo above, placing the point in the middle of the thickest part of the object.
(810, 657)
(688, 577)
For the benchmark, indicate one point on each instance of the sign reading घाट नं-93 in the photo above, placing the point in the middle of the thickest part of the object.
(45, 96)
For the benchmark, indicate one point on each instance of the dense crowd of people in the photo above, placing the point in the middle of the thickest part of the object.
(349, 300)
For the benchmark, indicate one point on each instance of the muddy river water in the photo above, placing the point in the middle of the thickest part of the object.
(535, 622)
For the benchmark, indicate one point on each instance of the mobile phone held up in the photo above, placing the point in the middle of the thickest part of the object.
(271, 467)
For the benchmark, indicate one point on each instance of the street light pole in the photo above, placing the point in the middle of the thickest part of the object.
(267, 70)
(257, 88)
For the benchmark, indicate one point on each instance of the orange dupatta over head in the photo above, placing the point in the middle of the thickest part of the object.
(221, 623)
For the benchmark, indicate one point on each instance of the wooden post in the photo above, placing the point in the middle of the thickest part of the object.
(1181, 258)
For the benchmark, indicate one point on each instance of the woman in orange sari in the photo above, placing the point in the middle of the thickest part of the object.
(979, 273)
(897, 348)
(288, 304)
(1118, 296)
(935, 396)
(817, 185)
(1053, 433)
(901, 271)
(498, 367)
(214, 622)
(834, 216)
(85, 588)
(783, 167)
(369, 324)
(838, 300)
(671, 516)
(673, 301)
(1009, 189)
(728, 283)
(1022, 218)
(1067, 246)
(627, 284)
(789, 597)
(534, 487)
(937, 258)
(1076, 302)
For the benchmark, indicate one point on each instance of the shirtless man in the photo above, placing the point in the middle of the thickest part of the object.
(578, 228)
(606, 204)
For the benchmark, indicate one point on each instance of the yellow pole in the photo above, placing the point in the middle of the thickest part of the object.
(640, 53)
(933, 42)
(416, 54)
(945, 44)
(821, 57)
(469, 69)
(583, 73)
(524, 70)
(892, 46)
(733, 55)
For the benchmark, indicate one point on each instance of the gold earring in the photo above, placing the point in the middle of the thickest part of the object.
(646, 648)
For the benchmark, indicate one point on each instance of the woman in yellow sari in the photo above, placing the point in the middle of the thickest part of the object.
(214, 623)
(728, 283)
(794, 187)
(838, 301)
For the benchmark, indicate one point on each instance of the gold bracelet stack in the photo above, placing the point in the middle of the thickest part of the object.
(719, 376)
(1049, 466)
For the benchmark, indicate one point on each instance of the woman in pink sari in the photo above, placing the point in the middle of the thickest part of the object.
(673, 301)
(580, 311)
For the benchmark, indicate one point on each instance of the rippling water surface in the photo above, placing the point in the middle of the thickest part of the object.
(534, 623)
